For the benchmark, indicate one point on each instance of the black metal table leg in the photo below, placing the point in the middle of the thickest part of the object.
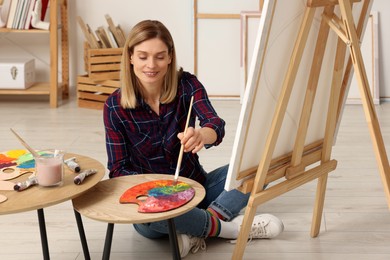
(83, 238)
(108, 241)
(42, 230)
(173, 240)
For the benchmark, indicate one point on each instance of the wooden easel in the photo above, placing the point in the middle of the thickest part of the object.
(293, 166)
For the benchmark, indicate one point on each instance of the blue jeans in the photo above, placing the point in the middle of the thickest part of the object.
(196, 221)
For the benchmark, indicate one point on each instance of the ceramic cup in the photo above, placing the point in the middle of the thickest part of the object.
(49, 167)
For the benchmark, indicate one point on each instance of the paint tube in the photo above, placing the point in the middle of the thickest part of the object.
(80, 178)
(25, 184)
(72, 164)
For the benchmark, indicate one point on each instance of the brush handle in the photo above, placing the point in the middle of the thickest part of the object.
(182, 146)
(32, 151)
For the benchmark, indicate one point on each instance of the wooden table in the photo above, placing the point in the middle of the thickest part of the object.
(102, 203)
(37, 197)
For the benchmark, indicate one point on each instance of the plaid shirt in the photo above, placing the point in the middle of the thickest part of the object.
(140, 141)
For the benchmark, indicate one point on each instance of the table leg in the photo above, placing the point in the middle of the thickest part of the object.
(173, 240)
(108, 241)
(83, 238)
(42, 230)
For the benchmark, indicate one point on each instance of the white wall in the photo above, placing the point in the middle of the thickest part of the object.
(219, 40)
(383, 9)
(218, 57)
(175, 14)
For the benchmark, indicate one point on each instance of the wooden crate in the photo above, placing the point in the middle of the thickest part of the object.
(92, 93)
(103, 64)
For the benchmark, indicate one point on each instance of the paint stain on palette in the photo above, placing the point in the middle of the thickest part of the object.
(158, 196)
(14, 163)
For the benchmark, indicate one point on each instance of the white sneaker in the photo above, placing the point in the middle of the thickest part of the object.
(188, 243)
(263, 226)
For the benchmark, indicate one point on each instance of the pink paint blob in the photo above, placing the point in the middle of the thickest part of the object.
(49, 168)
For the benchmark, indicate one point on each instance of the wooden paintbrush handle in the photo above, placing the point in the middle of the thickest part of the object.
(182, 146)
(32, 151)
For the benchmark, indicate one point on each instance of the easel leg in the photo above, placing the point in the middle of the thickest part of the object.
(329, 136)
(246, 226)
(368, 105)
(319, 205)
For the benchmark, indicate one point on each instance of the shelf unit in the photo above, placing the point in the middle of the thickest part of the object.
(54, 89)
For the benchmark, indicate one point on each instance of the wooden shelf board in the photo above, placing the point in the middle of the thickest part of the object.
(5, 30)
(39, 88)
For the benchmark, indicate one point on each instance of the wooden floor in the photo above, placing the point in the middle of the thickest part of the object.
(356, 220)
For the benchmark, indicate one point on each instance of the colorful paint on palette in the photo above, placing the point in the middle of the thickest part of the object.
(162, 195)
(9, 158)
(21, 159)
(14, 163)
(26, 161)
(6, 161)
(16, 153)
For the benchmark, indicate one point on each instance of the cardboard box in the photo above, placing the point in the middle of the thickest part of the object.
(17, 73)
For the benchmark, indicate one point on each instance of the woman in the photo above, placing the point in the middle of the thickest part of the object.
(144, 122)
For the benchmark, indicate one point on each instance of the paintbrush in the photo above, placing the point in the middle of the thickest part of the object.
(182, 146)
(32, 151)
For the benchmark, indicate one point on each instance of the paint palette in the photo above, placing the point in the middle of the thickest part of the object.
(158, 196)
(14, 163)
(3, 198)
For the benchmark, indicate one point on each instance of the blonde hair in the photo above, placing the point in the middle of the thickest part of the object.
(130, 87)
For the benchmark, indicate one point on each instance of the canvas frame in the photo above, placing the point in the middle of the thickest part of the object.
(299, 151)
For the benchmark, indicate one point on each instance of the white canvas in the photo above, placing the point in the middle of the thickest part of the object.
(279, 25)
